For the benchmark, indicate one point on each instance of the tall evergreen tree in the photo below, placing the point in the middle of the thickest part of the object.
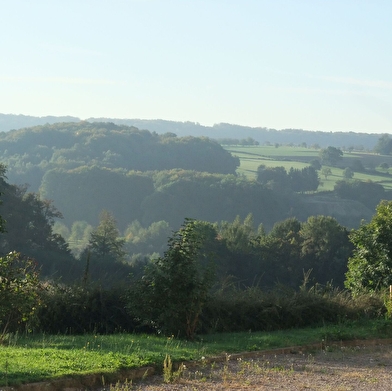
(105, 242)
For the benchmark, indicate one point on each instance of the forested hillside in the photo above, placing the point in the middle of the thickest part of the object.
(260, 134)
(13, 121)
(142, 176)
(219, 131)
(29, 153)
(88, 180)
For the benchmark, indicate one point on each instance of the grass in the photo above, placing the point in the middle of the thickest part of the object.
(253, 156)
(35, 358)
(271, 151)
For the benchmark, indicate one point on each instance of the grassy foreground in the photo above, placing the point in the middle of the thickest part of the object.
(35, 358)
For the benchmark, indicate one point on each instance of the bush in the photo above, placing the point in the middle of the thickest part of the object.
(77, 309)
(231, 310)
(19, 285)
(175, 288)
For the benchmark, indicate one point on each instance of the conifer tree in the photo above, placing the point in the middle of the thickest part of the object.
(105, 242)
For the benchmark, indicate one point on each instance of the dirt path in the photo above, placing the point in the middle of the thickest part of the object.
(339, 369)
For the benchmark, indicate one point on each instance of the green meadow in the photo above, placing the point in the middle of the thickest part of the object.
(251, 157)
(34, 358)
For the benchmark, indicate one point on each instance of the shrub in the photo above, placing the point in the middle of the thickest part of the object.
(78, 309)
(174, 289)
(231, 310)
(19, 285)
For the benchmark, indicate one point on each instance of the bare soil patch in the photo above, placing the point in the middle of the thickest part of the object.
(338, 368)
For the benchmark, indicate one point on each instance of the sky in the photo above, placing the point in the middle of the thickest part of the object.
(305, 64)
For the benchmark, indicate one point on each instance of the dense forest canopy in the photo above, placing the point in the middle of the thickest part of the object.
(142, 176)
(148, 183)
(105, 198)
(240, 247)
(29, 153)
(222, 131)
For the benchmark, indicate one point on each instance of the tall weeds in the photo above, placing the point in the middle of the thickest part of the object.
(233, 309)
(80, 309)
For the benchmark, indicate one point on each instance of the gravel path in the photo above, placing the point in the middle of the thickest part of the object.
(339, 369)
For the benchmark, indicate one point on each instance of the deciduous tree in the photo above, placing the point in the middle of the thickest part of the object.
(326, 171)
(384, 145)
(348, 173)
(325, 249)
(315, 163)
(331, 156)
(370, 267)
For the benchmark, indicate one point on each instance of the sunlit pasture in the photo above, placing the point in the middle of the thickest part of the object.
(251, 157)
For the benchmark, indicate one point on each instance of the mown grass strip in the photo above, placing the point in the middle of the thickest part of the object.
(35, 358)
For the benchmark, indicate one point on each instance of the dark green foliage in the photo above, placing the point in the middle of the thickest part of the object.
(72, 145)
(175, 287)
(296, 180)
(252, 309)
(193, 153)
(237, 235)
(384, 145)
(325, 249)
(19, 285)
(305, 179)
(80, 309)
(315, 163)
(235, 250)
(104, 254)
(331, 156)
(273, 177)
(105, 243)
(319, 245)
(370, 267)
(82, 193)
(368, 193)
(357, 166)
(280, 255)
(212, 197)
(29, 231)
(91, 309)
(348, 173)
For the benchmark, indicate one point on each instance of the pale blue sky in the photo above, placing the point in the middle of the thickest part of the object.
(310, 64)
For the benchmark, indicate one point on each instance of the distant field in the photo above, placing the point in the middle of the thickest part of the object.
(251, 157)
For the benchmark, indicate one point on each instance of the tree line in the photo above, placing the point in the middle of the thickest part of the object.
(185, 290)
(141, 176)
(242, 249)
(246, 249)
(262, 135)
(30, 153)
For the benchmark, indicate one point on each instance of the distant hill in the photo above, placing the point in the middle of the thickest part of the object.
(354, 140)
(358, 141)
(85, 167)
(29, 153)
(13, 121)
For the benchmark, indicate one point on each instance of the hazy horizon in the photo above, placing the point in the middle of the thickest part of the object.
(308, 64)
